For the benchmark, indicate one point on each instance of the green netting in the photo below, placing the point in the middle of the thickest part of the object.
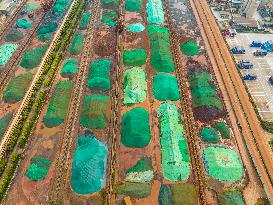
(133, 5)
(85, 21)
(136, 57)
(6, 51)
(222, 163)
(58, 104)
(135, 86)
(77, 45)
(135, 190)
(89, 165)
(184, 194)
(31, 6)
(142, 171)
(153, 29)
(223, 129)
(110, 3)
(44, 37)
(38, 169)
(14, 35)
(155, 11)
(165, 87)
(109, 17)
(209, 135)
(165, 195)
(23, 23)
(17, 87)
(189, 48)
(199, 92)
(203, 76)
(231, 198)
(99, 75)
(47, 28)
(135, 27)
(208, 101)
(175, 157)
(4, 121)
(32, 58)
(94, 112)
(70, 68)
(135, 131)
(60, 7)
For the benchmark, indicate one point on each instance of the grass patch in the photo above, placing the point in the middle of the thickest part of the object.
(209, 135)
(138, 191)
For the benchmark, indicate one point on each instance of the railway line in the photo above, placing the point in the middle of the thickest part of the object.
(63, 163)
(244, 112)
(190, 131)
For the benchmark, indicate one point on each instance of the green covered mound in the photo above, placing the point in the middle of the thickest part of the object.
(6, 51)
(47, 28)
(32, 58)
(135, 86)
(70, 68)
(59, 7)
(223, 129)
(85, 21)
(99, 75)
(77, 45)
(135, 130)
(44, 37)
(138, 191)
(136, 57)
(133, 5)
(161, 56)
(17, 87)
(165, 87)
(38, 168)
(174, 151)
(58, 104)
(14, 35)
(89, 165)
(94, 114)
(165, 195)
(231, 198)
(31, 6)
(189, 48)
(109, 17)
(135, 27)
(110, 3)
(4, 122)
(142, 171)
(209, 135)
(222, 163)
(155, 12)
(23, 23)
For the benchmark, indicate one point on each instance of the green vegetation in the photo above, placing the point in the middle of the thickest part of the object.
(165, 87)
(4, 122)
(58, 104)
(184, 194)
(32, 58)
(6, 51)
(189, 48)
(133, 5)
(135, 27)
(23, 23)
(17, 87)
(135, 130)
(70, 68)
(135, 190)
(222, 163)
(223, 129)
(99, 75)
(174, 151)
(94, 114)
(155, 12)
(38, 168)
(231, 198)
(209, 135)
(271, 143)
(135, 86)
(88, 166)
(44, 37)
(14, 35)
(109, 17)
(85, 21)
(136, 57)
(77, 45)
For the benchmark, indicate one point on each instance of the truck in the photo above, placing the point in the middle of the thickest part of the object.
(268, 46)
(250, 77)
(238, 50)
(245, 64)
(260, 53)
(256, 44)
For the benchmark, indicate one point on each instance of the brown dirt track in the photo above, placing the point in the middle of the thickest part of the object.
(244, 112)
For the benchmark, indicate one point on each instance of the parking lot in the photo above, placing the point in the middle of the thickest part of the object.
(260, 89)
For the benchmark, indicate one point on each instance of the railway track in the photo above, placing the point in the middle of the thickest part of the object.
(197, 165)
(63, 163)
(244, 112)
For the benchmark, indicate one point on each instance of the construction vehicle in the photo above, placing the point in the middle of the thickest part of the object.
(250, 77)
(271, 80)
(238, 50)
(245, 64)
(268, 46)
(256, 44)
(260, 53)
